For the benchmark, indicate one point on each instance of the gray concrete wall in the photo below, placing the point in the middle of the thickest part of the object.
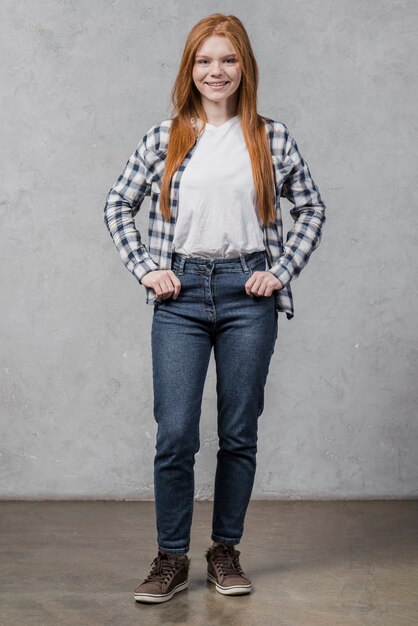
(81, 84)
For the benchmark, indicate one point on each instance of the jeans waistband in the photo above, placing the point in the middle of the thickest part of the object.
(243, 262)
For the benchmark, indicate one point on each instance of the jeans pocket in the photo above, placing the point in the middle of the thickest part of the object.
(260, 266)
(247, 277)
(159, 301)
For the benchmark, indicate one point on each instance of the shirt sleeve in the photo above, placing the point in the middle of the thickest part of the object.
(308, 214)
(123, 202)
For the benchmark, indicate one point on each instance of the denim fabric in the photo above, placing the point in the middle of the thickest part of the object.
(212, 309)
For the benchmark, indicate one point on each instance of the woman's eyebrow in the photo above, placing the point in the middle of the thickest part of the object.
(205, 56)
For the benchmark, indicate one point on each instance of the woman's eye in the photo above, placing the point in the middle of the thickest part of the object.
(205, 61)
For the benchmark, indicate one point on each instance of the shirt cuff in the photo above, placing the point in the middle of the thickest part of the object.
(280, 272)
(143, 267)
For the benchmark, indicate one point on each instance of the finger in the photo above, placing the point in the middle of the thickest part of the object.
(175, 285)
(254, 286)
(163, 288)
(264, 288)
(269, 287)
(170, 285)
(248, 286)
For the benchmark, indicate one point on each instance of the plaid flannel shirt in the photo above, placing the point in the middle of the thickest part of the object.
(142, 176)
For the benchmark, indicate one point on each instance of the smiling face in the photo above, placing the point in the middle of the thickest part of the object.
(217, 75)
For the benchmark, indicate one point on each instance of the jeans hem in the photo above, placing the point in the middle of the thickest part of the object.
(224, 539)
(174, 550)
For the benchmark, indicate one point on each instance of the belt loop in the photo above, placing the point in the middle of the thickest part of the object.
(244, 264)
(182, 262)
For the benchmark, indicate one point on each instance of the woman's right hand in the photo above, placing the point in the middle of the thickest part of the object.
(164, 282)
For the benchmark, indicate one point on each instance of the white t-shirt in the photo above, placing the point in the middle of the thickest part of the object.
(217, 210)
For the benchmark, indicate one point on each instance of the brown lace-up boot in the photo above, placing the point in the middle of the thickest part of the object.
(224, 570)
(168, 575)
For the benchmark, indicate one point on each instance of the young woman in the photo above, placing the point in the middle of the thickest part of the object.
(217, 272)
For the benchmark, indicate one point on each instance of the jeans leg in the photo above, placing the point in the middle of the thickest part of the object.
(181, 347)
(244, 344)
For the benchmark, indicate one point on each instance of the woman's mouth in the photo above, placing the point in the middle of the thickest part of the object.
(218, 85)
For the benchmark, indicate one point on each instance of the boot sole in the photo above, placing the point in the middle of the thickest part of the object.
(234, 590)
(154, 598)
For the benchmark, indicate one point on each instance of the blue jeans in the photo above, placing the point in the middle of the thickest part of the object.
(212, 309)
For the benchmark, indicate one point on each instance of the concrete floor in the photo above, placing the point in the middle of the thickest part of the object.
(311, 563)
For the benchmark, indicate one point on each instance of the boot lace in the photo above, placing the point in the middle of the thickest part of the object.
(163, 568)
(227, 559)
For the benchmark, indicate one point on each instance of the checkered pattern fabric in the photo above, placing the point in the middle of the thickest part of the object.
(142, 176)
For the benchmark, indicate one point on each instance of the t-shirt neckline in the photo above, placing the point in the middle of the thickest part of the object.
(212, 127)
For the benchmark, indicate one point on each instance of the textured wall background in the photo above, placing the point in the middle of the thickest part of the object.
(81, 84)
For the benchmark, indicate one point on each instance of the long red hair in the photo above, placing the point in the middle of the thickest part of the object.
(187, 105)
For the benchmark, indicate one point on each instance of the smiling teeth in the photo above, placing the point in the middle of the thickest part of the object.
(215, 84)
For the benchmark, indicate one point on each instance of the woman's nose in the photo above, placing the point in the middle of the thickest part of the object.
(216, 69)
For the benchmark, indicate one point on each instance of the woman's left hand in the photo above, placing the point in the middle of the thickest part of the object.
(262, 284)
